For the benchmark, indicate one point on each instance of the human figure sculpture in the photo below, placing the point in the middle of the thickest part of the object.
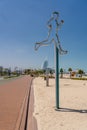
(56, 41)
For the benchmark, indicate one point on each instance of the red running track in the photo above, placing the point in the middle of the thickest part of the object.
(13, 104)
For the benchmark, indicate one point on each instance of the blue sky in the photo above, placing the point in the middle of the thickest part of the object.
(23, 22)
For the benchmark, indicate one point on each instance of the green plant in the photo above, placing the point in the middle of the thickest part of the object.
(61, 71)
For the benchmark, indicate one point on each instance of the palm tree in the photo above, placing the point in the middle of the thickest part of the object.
(61, 71)
(80, 72)
(70, 70)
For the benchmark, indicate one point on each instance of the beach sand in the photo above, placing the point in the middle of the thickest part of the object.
(72, 114)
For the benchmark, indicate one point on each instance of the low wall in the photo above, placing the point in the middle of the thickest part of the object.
(32, 122)
(26, 120)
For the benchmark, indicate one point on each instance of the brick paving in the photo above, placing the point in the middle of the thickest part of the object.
(11, 99)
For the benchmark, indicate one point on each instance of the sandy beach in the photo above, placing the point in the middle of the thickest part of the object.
(73, 104)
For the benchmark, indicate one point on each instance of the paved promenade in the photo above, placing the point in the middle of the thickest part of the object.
(13, 98)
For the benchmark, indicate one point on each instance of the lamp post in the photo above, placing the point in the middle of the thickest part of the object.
(58, 48)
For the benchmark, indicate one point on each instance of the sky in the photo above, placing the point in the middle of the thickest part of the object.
(24, 22)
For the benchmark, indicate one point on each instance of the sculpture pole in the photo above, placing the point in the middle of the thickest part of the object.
(57, 77)
(58, 48)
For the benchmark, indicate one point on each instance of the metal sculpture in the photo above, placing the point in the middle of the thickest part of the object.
(58, 48)
(47, 41)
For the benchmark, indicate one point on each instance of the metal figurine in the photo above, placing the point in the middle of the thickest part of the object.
(47, 41)
(58, 48)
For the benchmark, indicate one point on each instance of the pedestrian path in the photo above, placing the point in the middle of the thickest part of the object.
(12, 97)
